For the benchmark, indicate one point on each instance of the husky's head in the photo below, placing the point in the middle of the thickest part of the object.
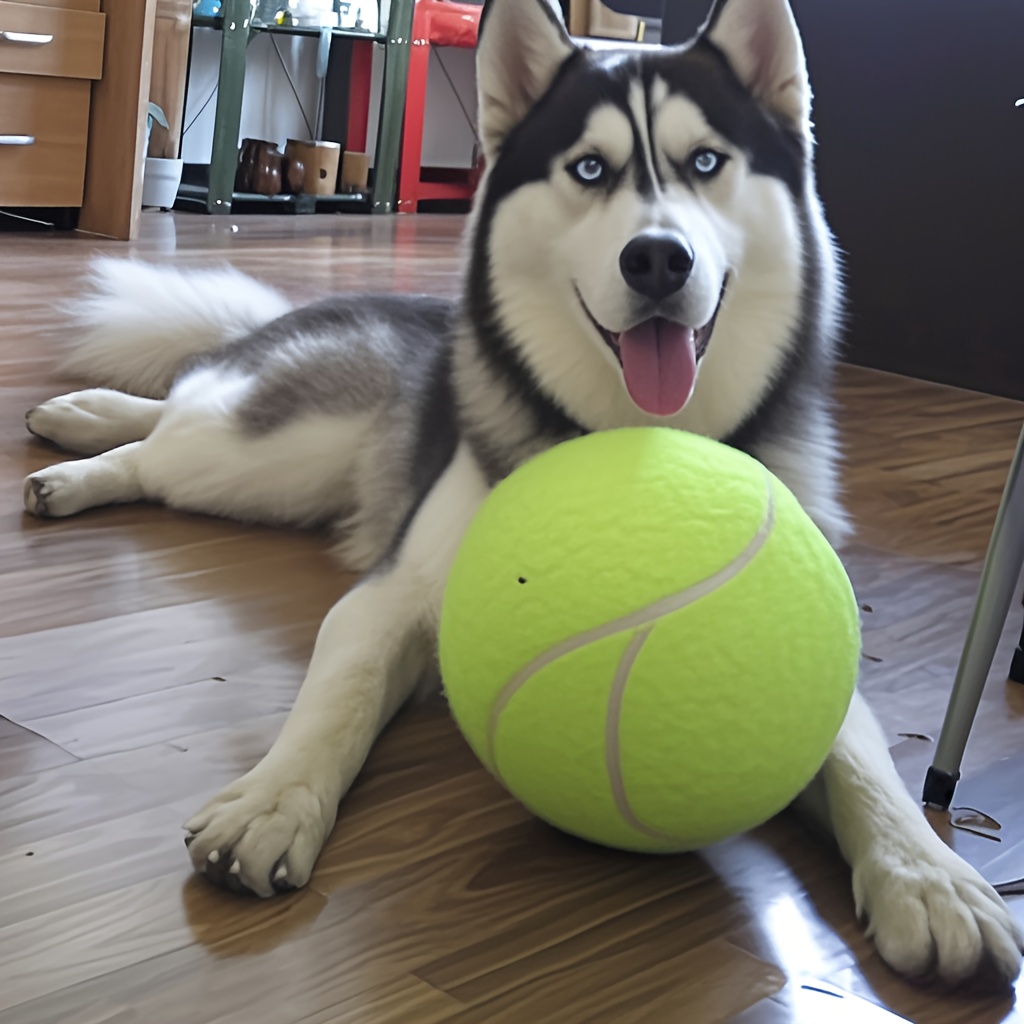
(647, 226)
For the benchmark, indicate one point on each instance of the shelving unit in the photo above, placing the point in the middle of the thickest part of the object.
(238, 29)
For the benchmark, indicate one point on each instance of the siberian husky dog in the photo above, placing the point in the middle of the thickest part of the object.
(646, 247)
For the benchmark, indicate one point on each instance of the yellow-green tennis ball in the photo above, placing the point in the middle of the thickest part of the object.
(647, 641)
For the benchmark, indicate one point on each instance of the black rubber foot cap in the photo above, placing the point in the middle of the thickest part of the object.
(939, 788)
(1017, 666)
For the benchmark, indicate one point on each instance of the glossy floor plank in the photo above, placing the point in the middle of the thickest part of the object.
(147, 658)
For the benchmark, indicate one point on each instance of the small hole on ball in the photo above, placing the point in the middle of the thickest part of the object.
(522, 579)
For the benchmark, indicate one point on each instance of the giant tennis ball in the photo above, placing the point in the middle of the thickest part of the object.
(647, 641)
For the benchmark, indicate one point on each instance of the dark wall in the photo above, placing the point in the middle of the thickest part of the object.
(921, 167)
(682, 18)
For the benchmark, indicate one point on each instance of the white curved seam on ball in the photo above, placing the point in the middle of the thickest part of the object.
(613, 752)
(612, 748)
(634, 620)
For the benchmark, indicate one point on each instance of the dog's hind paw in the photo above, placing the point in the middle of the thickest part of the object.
(260, 835)
(55, 492)
(931, 913)
(93, 421)
(75, 422)
(37, 492)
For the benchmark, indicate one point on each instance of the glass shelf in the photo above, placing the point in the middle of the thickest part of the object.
(303, 203)
(203, 21)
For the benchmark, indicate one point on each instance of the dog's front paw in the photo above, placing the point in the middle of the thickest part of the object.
(931, 911)
(260, 834)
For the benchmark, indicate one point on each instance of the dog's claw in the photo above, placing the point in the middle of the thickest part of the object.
(282, 824)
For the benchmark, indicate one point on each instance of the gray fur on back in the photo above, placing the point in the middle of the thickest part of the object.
(345, 354)
(381, 362)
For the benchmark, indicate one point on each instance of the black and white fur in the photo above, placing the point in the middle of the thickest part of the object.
(391, 417)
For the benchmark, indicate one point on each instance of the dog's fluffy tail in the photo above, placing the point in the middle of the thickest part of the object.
(137, 323)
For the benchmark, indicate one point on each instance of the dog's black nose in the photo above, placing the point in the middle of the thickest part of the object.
(656, 264)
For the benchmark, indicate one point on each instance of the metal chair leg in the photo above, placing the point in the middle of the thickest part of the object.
(998, 581)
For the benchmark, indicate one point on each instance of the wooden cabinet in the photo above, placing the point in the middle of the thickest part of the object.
(49, 55)
(37, 39)
(43, 143)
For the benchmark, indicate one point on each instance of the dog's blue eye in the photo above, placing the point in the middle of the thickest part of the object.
(590, 170)
(707, 163)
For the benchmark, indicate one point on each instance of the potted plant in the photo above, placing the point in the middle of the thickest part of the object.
(162, 175)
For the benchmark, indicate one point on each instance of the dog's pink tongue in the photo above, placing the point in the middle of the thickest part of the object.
(659, 360)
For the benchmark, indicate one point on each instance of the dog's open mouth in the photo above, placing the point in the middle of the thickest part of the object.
(659, 359)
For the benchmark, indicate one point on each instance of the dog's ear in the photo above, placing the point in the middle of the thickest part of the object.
(762, 43)
(521, 47)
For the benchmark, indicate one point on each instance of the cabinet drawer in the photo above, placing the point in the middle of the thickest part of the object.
(78, 5)
(44, 127)
(37, 40)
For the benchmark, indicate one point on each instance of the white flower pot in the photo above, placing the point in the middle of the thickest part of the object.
(160, 181)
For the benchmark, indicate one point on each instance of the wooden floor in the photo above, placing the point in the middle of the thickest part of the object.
(147, 658)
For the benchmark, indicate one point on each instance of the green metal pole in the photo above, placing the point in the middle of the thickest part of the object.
(392, 106)
(228, 119)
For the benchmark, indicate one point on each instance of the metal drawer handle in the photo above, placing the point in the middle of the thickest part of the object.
(17, 140)
(31, 38)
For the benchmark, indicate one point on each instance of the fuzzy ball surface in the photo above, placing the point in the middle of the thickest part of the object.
(647, 641)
